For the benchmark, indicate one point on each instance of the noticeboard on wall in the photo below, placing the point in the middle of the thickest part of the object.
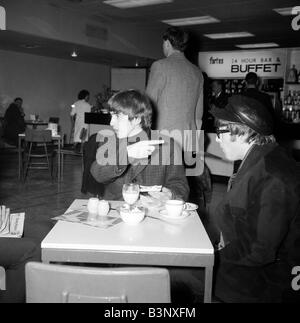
(128, 78)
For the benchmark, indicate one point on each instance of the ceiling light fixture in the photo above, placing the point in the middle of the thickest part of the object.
(229, 35)
(30, 46)
(74, 54)
(285, 11)
(123, 4)
(258, 45)
(191, 21)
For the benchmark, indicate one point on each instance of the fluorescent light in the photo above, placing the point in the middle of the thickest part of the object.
(191, 21)
(229, 35)
(134, 3)
(261, 45)
(285, 11)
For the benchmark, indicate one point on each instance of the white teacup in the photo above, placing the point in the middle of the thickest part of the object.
(174, 208)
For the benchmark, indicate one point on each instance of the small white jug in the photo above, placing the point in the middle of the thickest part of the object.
(92, 205)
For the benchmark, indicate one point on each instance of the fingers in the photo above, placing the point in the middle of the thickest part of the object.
(152, 142)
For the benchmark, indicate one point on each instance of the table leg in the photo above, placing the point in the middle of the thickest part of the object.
(208, 284)
(20, 158)
(58, 162)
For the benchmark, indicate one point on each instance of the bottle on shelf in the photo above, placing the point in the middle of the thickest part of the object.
(292, 75)
(291, 107)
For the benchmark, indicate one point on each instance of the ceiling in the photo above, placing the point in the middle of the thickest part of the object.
(254, 16)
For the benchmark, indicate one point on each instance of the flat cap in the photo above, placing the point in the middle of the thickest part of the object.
(248, 111)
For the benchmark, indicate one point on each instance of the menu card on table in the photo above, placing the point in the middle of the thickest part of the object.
(83, 217)
(11, 224)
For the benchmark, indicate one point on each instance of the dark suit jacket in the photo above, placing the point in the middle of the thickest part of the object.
(107, 180)
(260, 221)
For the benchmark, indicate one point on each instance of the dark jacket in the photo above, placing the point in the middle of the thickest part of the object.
(219, 101)
(14, 124)
(260, 221)
(89, 184)
(107, 181)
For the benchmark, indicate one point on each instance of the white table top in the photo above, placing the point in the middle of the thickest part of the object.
(151, 235)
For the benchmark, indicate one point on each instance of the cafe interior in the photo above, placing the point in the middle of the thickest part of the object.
(52, 49)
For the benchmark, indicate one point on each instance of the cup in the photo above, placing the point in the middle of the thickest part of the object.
(103, 208)
(92, 205)
(174, 208)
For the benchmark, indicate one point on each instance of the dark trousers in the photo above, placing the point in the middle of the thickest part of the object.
(187, 285)
(14, 254)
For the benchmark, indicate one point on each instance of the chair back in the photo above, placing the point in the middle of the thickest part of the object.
(54, 120)
(49, 283)
(34, 135)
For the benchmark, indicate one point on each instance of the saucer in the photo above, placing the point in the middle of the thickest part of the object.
(165, 216)
(190, 206)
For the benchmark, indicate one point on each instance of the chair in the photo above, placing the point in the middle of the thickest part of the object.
(2, 278)
(49, 283)
(37, 148)
(69, 150)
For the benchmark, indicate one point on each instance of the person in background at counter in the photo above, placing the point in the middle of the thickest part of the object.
(133, 154)
(252, 91)
(14, 122)
(219, 98)
(259, 217)
(78, 111)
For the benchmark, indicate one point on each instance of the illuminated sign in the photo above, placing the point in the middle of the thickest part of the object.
(296, 20)
(2, 18)
(265, 63)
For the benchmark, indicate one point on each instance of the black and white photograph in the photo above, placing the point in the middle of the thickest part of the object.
(150, 154)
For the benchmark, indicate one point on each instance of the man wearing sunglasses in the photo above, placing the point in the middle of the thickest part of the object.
(259, 216)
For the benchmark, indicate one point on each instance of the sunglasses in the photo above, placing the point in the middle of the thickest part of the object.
(219, 131)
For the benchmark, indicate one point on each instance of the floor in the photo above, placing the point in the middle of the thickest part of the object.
(39, 197)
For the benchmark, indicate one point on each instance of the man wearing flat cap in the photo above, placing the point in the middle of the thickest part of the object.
(259, 217)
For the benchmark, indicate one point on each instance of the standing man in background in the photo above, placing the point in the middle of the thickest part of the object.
(175, 87)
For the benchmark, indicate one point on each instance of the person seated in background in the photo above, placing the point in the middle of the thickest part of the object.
(259, 217)
(127, 154)
(14, 122)
(79, 108)
(15, 253)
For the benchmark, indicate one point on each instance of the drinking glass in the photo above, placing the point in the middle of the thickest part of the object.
(131, 193)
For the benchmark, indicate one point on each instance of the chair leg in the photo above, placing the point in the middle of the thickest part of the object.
(26, 166)
(48, 163)
(62, 165)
